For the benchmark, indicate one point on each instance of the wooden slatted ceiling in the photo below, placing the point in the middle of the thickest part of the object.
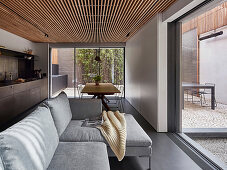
(86, 21)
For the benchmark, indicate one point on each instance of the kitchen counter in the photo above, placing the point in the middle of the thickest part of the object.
(15, 98)
(9, 83)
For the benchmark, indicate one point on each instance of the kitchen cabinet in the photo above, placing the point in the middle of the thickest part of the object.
(35, 95)
(15, 99)
(21, 102)
(6, 109)
(44, 89)
(6, 91)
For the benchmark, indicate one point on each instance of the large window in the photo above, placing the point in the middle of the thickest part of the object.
(111, 66)
(203, 70)
(80, 66)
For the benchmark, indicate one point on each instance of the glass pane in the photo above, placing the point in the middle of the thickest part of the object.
(111, 65)
(203, 70)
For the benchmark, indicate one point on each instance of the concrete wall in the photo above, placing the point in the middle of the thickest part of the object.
(189, 56)
(145, 73)
(213, 61)
(16, 43)
(66, 64)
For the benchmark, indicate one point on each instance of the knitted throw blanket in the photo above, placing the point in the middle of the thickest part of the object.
(113, 129)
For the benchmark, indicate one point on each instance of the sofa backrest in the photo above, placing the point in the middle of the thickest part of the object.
(85, 108)
(30, 143)
(61, 112)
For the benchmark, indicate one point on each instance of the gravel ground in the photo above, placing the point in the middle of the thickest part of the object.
(196, 116)
(217, 146)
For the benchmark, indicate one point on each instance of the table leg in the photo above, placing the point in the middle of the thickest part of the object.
(213, 98)
(104, 103)
(106, 99)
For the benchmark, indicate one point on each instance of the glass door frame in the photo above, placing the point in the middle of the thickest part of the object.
(101, 47)
(174, 97)
(74, 48)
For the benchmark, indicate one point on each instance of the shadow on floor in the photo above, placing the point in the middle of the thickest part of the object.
(166, 154)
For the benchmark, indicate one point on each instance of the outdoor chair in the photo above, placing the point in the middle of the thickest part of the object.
(193, 93)
(112, 98)
(205, 92)
(117, 104)
(79, 89)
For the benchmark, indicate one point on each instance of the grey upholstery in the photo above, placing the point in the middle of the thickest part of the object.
(133, 151)
(85, 108)
(1, 165)
(33, 143)
(75, 133)
(80, 156)
(135, 134)
(30, 143)
(61, 112)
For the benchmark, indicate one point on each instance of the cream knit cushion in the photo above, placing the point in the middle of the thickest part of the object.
(114, 131)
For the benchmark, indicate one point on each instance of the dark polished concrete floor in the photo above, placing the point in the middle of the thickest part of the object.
(166, 154)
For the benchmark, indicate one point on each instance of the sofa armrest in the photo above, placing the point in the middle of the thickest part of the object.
(85, 108)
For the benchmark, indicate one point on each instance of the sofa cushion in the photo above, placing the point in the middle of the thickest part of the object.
(80, 156)
(85, 108)
(30, 143)
(60, 110)
(135, 134)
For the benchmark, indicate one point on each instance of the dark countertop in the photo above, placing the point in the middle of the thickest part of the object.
(9, 83)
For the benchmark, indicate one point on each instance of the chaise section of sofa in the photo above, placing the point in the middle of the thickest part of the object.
(80, 156)
(138, 143)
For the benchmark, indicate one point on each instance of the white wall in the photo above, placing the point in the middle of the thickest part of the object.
(145, 73)
(16, 43)
(213, 62)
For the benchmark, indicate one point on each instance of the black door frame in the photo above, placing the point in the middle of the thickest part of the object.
(74, 48)
(174, 38)
(193, 150)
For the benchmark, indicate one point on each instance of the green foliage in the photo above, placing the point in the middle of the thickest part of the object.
(111, 65)
(97, 78)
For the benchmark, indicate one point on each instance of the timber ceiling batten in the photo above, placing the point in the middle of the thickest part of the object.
(85, 21)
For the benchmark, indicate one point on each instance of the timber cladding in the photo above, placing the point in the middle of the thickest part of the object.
(208, 21)
(86, 21)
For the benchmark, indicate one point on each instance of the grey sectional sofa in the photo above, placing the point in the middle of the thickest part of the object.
(51, 137)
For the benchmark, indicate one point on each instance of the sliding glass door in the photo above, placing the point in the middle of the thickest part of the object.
(80, 67)
(197, 104)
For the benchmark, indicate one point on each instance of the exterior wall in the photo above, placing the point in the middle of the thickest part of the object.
(208, 20)
(213, 60)
(144, 72)
(189, 56)
(66, 64)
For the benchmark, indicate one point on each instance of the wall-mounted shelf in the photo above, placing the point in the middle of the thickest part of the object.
(11, 53)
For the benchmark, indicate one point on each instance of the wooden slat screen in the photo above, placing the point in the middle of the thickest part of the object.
(211, 20)
(86, 21)
(54, 54)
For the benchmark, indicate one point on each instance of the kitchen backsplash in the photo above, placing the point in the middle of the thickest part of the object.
(9, 65)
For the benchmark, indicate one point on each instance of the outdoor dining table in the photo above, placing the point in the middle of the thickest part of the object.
(99, 91)
(188, 86)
